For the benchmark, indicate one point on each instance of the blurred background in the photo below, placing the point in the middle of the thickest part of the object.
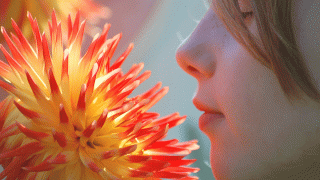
(157, 27)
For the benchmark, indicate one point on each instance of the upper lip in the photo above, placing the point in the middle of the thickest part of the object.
(202, 107)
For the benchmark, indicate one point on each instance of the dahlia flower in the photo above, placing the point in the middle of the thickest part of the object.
(17, 10)
(69, 116)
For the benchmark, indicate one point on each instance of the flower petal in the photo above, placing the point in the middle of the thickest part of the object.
(26, 149)
(14, 165)
(88, 162)
(30, 133)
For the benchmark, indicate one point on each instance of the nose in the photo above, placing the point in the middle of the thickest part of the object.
(195, 55)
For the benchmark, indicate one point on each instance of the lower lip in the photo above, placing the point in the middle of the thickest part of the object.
(207, 118)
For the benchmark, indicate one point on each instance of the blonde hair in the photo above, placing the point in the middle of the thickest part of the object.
(276, 47)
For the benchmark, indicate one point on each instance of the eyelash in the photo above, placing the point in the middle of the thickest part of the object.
(245, 15)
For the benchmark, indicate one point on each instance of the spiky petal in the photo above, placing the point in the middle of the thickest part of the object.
(70, 117)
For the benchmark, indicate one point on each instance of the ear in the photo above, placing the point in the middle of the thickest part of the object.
(306, 26)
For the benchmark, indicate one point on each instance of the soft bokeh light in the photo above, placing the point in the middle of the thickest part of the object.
(17, 10)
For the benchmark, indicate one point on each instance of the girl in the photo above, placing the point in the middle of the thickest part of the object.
(258, 72)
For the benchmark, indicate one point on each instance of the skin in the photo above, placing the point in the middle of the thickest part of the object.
(262, 135)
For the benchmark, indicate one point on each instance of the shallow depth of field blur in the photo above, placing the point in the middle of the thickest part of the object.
(157, 27)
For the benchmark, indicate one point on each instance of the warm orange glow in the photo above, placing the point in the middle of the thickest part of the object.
(70, 117)
(17, 10)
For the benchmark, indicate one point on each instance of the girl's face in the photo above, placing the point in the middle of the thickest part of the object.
(259, 130)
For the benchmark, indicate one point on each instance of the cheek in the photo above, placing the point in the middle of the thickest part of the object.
(257, 114)
(248, 93)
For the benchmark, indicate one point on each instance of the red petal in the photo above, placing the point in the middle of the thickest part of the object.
(117, 88)
(75, 29)
(59, 159)
(118, 98)
(160, 144)
(15, 52)
(167, 158)
(148, 93)
(23, 40)
(134, 70)
(4, 69)
(53, 83)
(94, 167)
(108, 154)
(121, 59)
(113, 48)
(17, 43)
(63, 115)
(30, 133)
(7, 87)
(102, 118)
(137, 158)
(95, 47)
(9, 131)
(156, 97)
(14, 165)
(182, 169)
(182, 162)
(46, 53)
(36, 33)
(88, 162)
(172, 122)
(190, 178)
(89, 130)
(86, 60)
(144, 76)
(140, 174)
(54, 20)
(191, 145)
(103, 62)
(12, 62)
(164, 120)
(149, 115)
(117, 152)
(79, 33)
(65, 63)
(132, 130)
(153, 139)
(5, 108)
(58, 39)
(154, 165)
(26, 149)
(50, 30)
(35, 88)
(69, 26)
(92, 79)
(127, 150)
(111, 76)
(43, 166)
(26, 112)
(48, 163)
(146, 131)
(60, 137)
(82, 98)
(170, 150)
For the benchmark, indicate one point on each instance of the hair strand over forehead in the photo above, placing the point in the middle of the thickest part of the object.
(275, 46)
